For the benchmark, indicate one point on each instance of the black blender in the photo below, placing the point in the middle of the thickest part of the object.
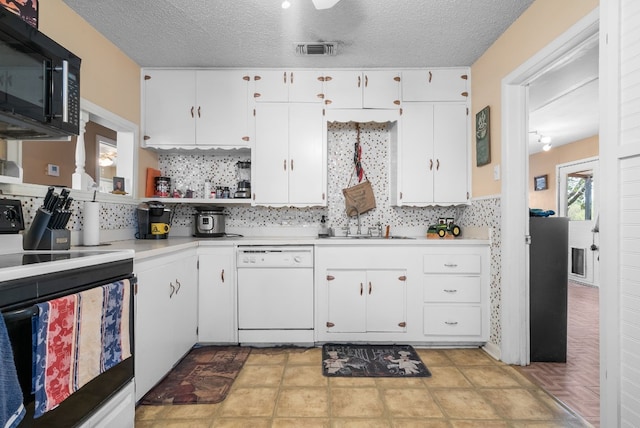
(244, 180)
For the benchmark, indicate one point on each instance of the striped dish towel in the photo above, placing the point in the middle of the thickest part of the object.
(76, 338)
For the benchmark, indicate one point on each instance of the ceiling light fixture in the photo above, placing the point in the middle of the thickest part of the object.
(545, 139)
(286, 4)
(546, 147)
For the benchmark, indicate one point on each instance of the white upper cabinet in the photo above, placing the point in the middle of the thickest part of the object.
(438, 84)
(430, 163)
(196, 108)
(289, 158)
(298, 86)
(355, 89)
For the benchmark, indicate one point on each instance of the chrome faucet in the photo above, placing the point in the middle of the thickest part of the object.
(359, 229)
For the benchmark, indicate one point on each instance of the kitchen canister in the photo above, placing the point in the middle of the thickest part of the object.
(163, 186)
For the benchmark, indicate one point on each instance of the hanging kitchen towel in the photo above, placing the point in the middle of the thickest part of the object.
(76, 338)
(55, 333)
(358, 199)
(12, 410)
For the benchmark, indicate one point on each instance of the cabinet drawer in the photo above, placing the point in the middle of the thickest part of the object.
(445, 288)
(452, 263)
(452, 320)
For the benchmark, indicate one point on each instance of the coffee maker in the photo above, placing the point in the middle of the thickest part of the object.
(244, 180)
(153, 220)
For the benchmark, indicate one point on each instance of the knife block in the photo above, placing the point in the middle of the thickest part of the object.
(55, 239)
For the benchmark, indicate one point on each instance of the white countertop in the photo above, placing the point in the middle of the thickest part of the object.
(154, 247)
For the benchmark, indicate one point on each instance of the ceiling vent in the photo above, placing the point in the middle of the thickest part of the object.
(321, 48)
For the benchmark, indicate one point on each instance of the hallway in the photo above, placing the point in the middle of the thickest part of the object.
(576, 383)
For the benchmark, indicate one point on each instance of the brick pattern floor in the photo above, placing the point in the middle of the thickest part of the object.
(577, 382)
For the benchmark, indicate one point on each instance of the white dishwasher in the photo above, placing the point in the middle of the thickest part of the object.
(275, 295)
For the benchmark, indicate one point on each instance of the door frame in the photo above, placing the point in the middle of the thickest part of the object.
(515, 347)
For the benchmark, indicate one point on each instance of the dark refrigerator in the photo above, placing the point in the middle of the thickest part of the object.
(548, 288)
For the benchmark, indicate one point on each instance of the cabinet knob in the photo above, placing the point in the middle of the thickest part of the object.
(257, 77)
(465, 94)
(451, 265)
(330, 277)
(291, 164)
(361, 289)
(369, 287)
(366, 80)
(147, 77)
(172, 289)
(402, 278)
(146, 137)
(437, 164)
(430, 164)
(198, 111)
(256, 95)
(330, 324)
(396, 102)
(450, 291)
(284, 164)
(328, 78)
(321, 96)
(327, 102)
(192, 111)
(430, 76)
(178, 286)
(245, 138)
(451, 323)
(402, 324)
(397, 78)
(247, 78)
(291, 77)
(222, 276)
(320, 78)
(359, 81)
(464, 77)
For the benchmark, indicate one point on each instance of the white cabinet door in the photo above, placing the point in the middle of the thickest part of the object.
(451, 147)
(357, 89)
(302, 86)
(440, 84)
(347, 303)
(217, 296)
(416, 165)
(184, 306)
(270, 181)
(366, 301)
(165, 316)
(222, 112)
(306, 155)
(386, 308)
(289, 155)
(381, 89)
(432, 155)
(169, 107)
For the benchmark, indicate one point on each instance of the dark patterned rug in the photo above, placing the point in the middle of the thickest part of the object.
(204, 375)
(345, 360)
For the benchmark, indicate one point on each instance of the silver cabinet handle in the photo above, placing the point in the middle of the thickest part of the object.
(450, 291)
(172, 289)
(222, 275)
(179, 285)
(451, 322)
(451, 265)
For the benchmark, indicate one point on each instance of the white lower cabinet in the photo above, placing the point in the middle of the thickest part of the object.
(366, 301)
(455, 294)
(217, 295)
(166, 317)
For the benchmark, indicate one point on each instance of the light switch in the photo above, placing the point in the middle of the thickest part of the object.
(496, 172)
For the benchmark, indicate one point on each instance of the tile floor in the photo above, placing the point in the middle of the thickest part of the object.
(286, 388)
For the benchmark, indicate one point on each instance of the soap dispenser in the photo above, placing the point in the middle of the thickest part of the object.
(324, 230)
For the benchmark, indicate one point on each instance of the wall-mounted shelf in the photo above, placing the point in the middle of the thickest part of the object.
(202, 201)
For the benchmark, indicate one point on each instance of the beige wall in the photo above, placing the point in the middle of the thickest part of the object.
(36, 155)
(108, 77)
(543, 22)
(544, 163)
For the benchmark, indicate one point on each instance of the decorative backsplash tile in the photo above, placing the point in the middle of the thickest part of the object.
(191, 169)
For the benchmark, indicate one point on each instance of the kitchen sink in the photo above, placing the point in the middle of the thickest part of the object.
(366, 237)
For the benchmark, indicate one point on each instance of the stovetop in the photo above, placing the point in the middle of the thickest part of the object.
(16, 263)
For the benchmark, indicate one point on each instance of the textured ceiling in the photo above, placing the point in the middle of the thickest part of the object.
(259, 33)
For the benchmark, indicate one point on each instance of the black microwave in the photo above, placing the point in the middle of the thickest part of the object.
(39, 83)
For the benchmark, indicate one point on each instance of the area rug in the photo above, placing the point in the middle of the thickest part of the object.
(203, 376)
(348, 360)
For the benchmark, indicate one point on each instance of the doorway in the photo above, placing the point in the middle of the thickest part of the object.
(578, 200)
